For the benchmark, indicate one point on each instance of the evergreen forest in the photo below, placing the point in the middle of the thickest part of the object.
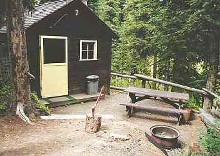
(174, 40)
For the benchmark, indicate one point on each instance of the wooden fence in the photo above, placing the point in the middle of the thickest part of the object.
(146, 80)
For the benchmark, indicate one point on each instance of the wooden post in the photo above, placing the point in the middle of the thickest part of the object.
(143, 83)
(207, 103)
(208, 99)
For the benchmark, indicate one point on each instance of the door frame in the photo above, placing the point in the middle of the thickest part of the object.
(41, 42)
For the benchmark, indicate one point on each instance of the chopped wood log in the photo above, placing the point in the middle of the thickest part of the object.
(186, 114)
(93, 123)
(209, 120)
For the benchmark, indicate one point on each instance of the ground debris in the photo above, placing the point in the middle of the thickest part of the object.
(119, 137)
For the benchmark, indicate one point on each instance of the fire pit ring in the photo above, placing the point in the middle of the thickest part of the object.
(164, 135)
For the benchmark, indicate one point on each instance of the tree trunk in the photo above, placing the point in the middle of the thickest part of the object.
(213, 67)
(18, 55)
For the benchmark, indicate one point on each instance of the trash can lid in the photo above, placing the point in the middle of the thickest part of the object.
(92, 77)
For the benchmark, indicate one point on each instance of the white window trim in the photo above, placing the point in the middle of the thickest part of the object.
(42, 37)
(95, 54)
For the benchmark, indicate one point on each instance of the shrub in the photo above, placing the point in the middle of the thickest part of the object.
(44, 109)
(194, 102)
(5, 94)
(211, 142)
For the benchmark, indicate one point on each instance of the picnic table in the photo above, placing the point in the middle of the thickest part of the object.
(138, 94)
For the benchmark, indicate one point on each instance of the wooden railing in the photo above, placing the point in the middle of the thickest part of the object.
(146, 79)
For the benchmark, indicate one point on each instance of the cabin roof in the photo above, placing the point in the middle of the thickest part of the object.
(43, 10)
(40, 11)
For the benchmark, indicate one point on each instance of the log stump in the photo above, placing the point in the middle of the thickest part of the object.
(186, 116)
(93, 124)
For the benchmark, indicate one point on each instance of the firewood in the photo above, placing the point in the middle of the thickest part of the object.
(93, 123)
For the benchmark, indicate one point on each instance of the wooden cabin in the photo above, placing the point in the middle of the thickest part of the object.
(66, 42)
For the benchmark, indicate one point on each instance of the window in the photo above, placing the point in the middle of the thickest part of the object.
(88, 50)
(54, 49)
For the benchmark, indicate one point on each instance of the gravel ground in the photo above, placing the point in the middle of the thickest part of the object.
(68, 137)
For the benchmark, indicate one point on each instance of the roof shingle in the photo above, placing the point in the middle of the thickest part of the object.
(40, 11)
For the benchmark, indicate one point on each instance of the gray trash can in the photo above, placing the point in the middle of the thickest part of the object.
(92, 84)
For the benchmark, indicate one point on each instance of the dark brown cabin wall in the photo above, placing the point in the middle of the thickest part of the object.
(79, 70)
(3, 46)
(34, 61)
(83, 26)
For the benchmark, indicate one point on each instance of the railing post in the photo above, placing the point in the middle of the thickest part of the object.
(143, 83)
(207, 102)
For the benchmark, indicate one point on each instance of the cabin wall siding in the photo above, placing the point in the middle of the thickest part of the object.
(4, 57)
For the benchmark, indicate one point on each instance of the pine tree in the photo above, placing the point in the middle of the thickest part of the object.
(18, 55)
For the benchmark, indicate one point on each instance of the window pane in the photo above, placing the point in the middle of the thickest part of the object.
(91, 54)
(84, 45)
(84, 54)
(54, 50)
(91, 45)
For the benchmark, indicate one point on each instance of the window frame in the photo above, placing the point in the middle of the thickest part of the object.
(42, 37)
(95, 52)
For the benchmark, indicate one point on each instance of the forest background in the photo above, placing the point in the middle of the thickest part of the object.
(173, 40)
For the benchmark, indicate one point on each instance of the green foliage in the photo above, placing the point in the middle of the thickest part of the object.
(5, 93)
(3, 106)
(195, 102)
(44, 109)
(5, 88)
(211, 142)
(177, 31)
(124, 82)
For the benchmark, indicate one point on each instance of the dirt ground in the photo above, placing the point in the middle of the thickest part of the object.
(68, 137)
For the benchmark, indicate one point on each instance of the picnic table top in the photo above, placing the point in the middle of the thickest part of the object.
(158, 93)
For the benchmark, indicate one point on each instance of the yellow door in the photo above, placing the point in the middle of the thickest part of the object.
(54, 66)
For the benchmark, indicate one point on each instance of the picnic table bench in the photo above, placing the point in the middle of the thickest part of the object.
(138, 94)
